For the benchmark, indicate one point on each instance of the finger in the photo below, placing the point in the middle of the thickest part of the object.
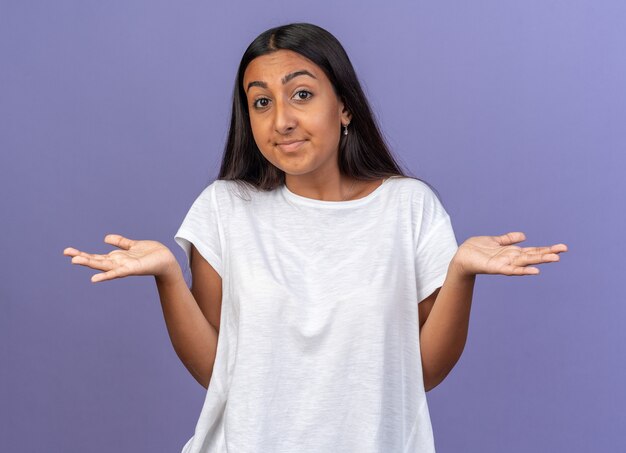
(535, 250)
(511, 238)
(557, 248)
(119, 241)
(94, 263)
(536, 258)
(110, 275)
(74, 253)
(94, 256)
(520, 270)
(69, 251)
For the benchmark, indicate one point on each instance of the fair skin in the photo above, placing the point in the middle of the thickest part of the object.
(306, 109)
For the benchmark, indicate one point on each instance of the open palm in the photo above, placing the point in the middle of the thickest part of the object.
(497, 255)
(143, 257)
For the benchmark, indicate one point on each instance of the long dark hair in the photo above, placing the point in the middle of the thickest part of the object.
(363, 153)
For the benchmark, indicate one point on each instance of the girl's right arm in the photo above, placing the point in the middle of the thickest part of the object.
(193, 337)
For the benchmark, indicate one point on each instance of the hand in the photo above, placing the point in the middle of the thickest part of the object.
(135, 258)
(496, 255)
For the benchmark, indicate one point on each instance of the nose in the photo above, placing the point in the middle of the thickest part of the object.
(285, 120)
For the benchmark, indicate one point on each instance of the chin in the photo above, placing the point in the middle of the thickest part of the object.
(295, 171)
(293, 168)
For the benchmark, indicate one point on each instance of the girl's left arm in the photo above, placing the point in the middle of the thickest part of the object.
(443, 335)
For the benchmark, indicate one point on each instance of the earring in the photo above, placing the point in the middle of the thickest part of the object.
(345, 129)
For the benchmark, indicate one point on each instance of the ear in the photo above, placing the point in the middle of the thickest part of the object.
(346, 116)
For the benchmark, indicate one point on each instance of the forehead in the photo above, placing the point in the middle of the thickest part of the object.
(272, 67)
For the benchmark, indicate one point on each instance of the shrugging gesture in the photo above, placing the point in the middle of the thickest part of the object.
(443, 335)
(497, 255)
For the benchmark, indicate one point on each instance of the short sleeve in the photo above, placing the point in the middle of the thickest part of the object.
(436, 246)
(201, 228)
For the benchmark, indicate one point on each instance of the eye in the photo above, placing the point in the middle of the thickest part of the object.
(256, 105)
(300, 92)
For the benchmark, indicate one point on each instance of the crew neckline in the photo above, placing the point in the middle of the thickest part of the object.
(334, 204)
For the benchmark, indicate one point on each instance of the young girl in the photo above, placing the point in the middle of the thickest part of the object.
(329, 293)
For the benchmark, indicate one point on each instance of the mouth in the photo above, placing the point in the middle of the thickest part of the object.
(290, 146)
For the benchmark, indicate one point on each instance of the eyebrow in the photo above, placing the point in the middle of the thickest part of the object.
(284, 80)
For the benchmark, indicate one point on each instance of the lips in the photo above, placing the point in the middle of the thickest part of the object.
(290, 145)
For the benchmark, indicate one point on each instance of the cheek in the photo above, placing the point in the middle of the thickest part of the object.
(325, 125)
(259, 133)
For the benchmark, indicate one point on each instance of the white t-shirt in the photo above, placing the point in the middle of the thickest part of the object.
(318, 348)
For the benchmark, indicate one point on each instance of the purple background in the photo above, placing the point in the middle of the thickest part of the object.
(113, 117)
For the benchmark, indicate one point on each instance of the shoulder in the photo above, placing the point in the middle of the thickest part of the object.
(234, 190)
(234, 195)
(422, 198)
(417, 190)
(220, 189)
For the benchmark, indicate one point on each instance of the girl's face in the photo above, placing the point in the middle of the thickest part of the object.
(295, 116)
